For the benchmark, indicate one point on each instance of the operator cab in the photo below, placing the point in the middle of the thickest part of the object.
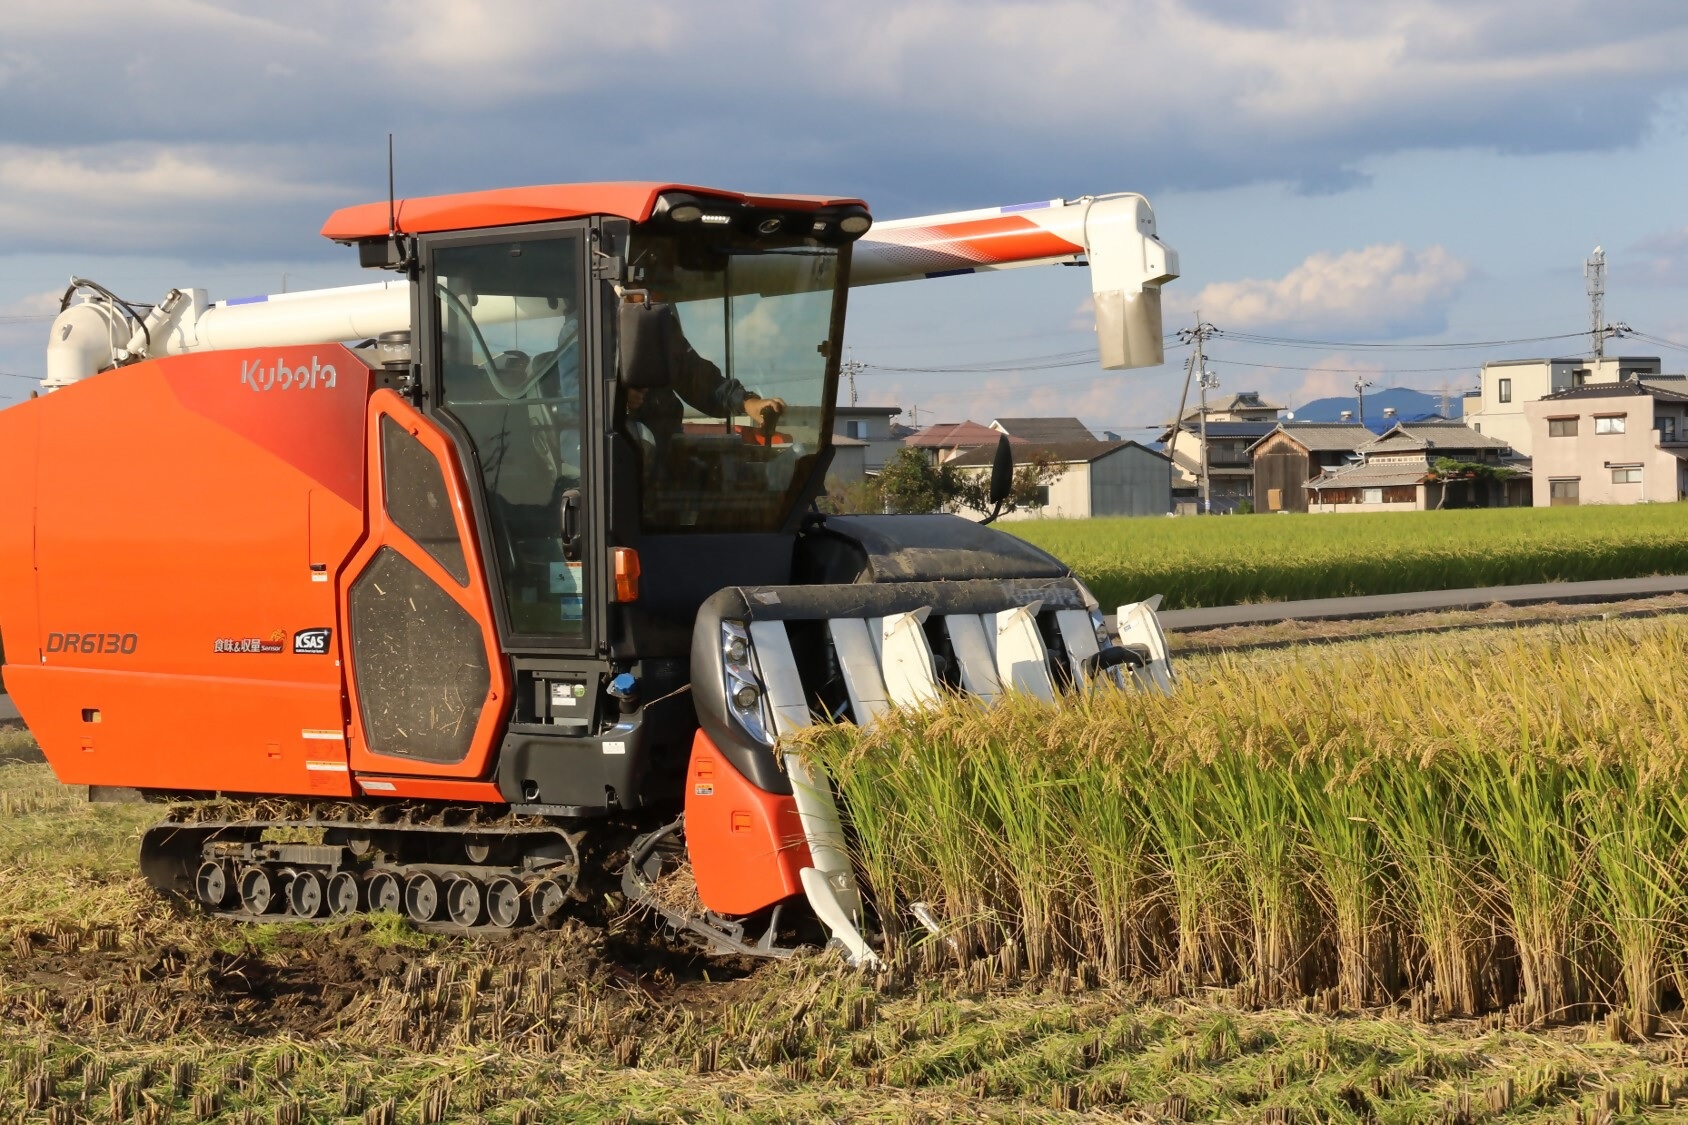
(612, 497)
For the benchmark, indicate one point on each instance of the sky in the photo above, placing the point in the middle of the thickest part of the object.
(1402, 172)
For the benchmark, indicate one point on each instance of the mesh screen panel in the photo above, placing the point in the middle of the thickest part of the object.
(421, 665)
(417, 500)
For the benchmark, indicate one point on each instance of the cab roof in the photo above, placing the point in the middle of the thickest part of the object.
(546, 203)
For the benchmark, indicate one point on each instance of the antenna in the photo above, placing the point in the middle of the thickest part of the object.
(392, 203)
(1594, 272)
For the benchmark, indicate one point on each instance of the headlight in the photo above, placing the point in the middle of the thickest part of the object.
(746, 701)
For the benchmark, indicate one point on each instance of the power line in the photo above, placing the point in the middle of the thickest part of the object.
(11, 375)
(1344, 370)
(1337, 345)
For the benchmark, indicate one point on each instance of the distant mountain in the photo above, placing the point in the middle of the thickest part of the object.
(1409, 405)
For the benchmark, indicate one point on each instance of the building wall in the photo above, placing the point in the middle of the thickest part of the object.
(1416, 504)
(1069, 497)
(849, 464)
(1130, 481)
(1283, 467)
(1486, 413)
(876, 431)
(1589, 458)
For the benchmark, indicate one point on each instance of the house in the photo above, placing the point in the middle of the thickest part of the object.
(949, 440)
(1297, 452)
(871, 425)
(1044, 431)
(1234, 423)
(1098, 478)
(849, 460)
(1496, 408)
(1611, 443)
(1397, 472)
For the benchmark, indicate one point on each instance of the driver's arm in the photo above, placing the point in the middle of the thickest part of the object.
(702, 385)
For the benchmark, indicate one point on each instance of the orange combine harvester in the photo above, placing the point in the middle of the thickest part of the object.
(459, 593)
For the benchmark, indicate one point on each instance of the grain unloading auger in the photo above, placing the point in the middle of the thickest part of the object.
(465, 593)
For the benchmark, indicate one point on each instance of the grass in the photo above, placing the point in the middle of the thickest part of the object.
(1236, 559)
(1207, 908)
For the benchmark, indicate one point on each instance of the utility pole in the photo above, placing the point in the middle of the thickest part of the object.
(1208, 380)
(851, 369)
(1198, 336)
(1360, 386)
(1594, 273)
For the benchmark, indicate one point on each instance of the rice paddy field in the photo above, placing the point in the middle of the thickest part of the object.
(1233, 559)
(1416, 879)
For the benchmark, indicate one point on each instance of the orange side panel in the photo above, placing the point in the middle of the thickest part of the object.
(746, 845)
(19, 427)
(191, 515)
(474, 598)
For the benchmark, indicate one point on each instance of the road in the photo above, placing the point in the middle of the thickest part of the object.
(1379, 605)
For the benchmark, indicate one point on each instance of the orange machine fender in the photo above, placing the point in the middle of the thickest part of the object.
(746, 845)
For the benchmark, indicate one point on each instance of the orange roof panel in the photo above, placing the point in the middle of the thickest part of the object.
(546, 203)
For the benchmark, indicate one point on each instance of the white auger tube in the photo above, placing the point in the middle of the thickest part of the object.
(1114, 234)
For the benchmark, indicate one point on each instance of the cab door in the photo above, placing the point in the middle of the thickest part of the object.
(509, 369)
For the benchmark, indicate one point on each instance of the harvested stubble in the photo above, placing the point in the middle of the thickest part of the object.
(1476, 824)
(1208, 562)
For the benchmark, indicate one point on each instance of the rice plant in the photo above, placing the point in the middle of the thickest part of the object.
(1480, 822)
(1224, 561)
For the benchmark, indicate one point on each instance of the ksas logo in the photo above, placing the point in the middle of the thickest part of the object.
(311, 642)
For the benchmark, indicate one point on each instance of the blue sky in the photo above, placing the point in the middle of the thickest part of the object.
(1393, 172)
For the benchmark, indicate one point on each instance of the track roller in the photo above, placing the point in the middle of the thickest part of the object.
(258, 891)
(307, 894)
(345, 895)
(463, 901)
(504, 903)
(386, 892)
(211, 885)
(422, 897)
(548, 897)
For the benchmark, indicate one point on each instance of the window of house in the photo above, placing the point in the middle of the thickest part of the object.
(1609, 423)
(1627, 474)
(1562, 493)
(856, 428)
(1478, 426)
(1041, 498)
(1371, 496)
(1579, 377)
(1505, 390)
(1561, 427)
(1667, 428)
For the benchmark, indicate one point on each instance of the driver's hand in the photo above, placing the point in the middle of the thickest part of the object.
(755, 407)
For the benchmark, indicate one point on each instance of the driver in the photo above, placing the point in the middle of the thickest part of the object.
(698, 383)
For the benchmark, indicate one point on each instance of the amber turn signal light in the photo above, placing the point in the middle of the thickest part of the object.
(626, 564)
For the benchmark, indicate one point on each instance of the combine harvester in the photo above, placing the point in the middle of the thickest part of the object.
(464, 593)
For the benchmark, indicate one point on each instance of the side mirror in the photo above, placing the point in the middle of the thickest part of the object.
(650, 337)
(1002, 472)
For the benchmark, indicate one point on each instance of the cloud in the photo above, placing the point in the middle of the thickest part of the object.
(920, 105)
(1658, 260)
(1378, 292)
(130, 199)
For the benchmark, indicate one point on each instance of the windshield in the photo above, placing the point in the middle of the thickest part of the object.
(731, 444)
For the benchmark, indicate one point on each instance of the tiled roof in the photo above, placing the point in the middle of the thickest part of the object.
(1242, 400)
(1432, 435)
(1045, 431)
(954, 435)
(1227, 429)
(1629, 388)
(1369, 476)
(1065, 453)
(1323, 437)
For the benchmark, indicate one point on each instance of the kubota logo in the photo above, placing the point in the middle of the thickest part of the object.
(280, 377)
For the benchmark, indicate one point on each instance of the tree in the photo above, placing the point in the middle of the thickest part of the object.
(911, 483)
(1449, 470)
(1031, 477)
